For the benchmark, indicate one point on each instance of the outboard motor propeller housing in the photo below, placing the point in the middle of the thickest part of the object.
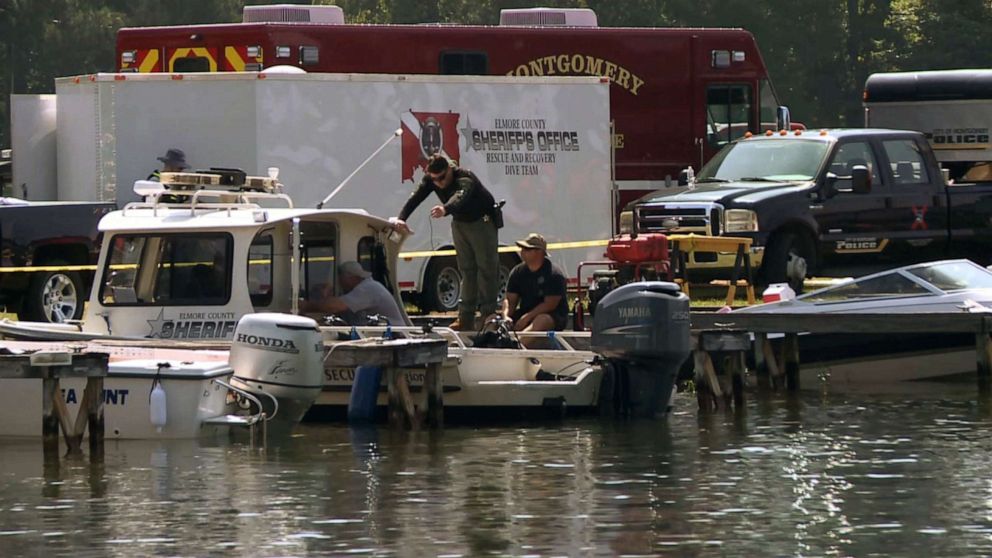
(643, 329)
(280, 355)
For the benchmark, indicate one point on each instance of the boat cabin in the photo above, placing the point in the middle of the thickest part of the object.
(204, 249)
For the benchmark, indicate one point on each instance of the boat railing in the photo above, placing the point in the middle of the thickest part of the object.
(227, 200)
(261, 415)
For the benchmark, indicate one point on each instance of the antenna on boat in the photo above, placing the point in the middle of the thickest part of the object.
(396, 134)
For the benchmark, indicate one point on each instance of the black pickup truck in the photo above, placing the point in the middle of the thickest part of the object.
(52, 235)
(824, 202)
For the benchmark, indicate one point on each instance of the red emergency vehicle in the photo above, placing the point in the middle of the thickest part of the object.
(678, 94)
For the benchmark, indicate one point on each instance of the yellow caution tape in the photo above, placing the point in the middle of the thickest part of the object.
(505, 249)
(37, 268)
(405, 255)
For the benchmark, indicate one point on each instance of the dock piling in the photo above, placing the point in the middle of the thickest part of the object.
(395, 356)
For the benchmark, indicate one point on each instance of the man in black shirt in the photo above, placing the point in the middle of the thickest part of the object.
(536, 290)
(473, 230)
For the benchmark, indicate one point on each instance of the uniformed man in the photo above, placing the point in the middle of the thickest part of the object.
(473, 228)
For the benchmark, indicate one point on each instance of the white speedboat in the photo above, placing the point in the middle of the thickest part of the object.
(840, 360)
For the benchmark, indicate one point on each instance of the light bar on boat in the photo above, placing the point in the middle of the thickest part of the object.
(148, 188)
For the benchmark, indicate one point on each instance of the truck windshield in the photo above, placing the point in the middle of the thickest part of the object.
(764, 160)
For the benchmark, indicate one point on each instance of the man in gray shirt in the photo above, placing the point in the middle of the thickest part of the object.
(363, 296)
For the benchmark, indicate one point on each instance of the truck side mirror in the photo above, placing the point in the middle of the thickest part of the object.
(683, 177)
(782, 118)
(829, 188)
(860, 179)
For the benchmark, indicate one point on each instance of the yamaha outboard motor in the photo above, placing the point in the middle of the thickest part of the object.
(279, 355)
(643, 330)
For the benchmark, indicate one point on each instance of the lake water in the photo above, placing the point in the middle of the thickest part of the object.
(813, 475)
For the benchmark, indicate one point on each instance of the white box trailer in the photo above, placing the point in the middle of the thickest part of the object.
(542, 144)
(953, 108)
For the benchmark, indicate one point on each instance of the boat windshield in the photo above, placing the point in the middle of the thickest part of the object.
(758, 161)
(889, 285)
(165, 270)
(955, 276)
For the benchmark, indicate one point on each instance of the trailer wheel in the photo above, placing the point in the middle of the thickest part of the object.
(790, 255)
(443, 287)
(54, 296)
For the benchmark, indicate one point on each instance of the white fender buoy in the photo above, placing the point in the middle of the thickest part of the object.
(157, 405)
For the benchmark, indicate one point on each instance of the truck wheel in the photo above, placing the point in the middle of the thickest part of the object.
(788, 258)
(443, 287)
(54, 297)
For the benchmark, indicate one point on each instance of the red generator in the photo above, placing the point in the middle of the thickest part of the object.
(641, 251)
(630, 258)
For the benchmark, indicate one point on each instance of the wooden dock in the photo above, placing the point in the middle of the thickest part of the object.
(725, 338)
(50, 367)
(393, 355)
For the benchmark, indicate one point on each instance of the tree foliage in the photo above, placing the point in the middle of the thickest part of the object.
(819, 52)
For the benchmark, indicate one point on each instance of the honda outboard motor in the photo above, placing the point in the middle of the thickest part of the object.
(280, 355)
(643, 330)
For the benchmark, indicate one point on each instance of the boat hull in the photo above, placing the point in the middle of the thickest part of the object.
(192, 396)
(489, 378)
(840, 361)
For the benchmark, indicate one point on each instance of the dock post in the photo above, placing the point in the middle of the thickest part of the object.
(735, 362)
(49, 419)
(983, 346)
(790, 347)
(94, 415)
(707, 385)
(760, 362)
(402, 412)
(434, 388)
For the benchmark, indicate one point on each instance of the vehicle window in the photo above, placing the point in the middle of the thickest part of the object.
(769, 106)
(191, 64)
(366, 247)
(168, 270)
(260, 269)
(885, 286)
(766, 159)
(317, 253)
(464, 63)
(906, 162)
(728, 113)
(848, 156)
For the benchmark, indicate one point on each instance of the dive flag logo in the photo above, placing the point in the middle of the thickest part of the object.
(427, 133)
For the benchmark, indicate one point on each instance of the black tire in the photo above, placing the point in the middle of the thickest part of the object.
(442, 286)
(54, 296)
(789, 258)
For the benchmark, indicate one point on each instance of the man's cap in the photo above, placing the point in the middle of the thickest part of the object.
(175, 157)
(438, 163)
(533, 240)
(354, 269)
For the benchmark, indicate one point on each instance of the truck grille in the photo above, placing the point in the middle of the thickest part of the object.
(680, 219)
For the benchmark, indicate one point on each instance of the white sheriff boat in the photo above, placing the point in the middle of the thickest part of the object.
(212, 266)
